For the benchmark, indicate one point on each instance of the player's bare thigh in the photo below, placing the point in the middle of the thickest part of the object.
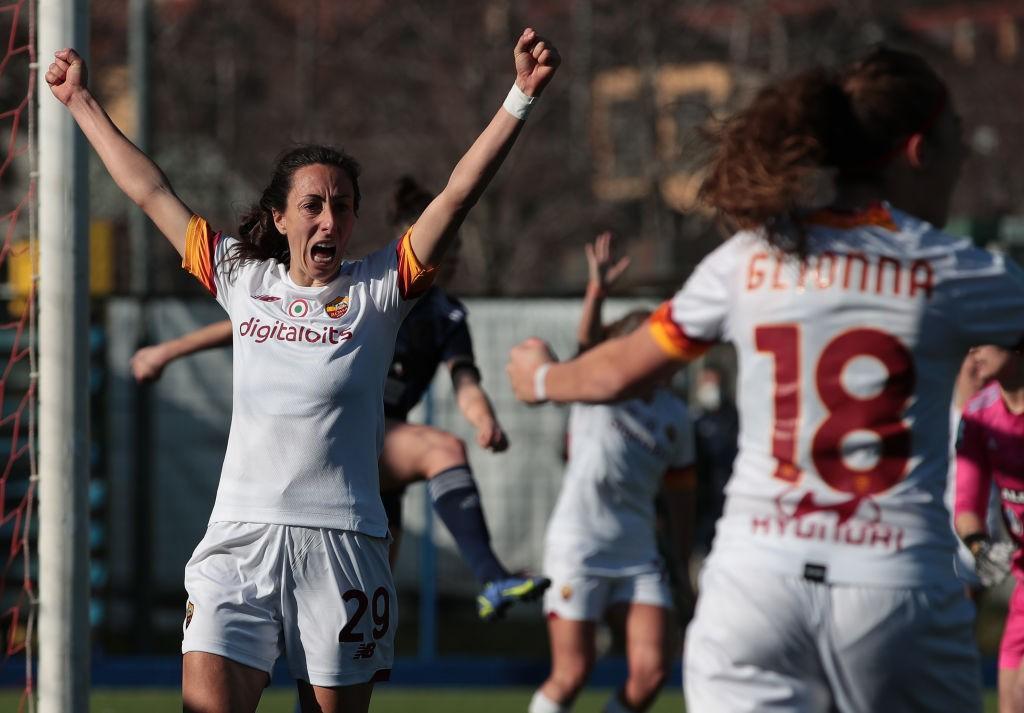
(413, 452)
(572, 657)
(212, 684)
(343, 699)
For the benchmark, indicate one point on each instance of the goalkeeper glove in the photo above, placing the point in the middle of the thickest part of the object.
(991, 559)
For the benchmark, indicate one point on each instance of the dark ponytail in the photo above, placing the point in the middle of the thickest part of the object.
(408, 201)
(893, 95)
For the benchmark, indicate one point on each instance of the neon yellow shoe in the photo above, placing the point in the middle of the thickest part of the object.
(499, 595)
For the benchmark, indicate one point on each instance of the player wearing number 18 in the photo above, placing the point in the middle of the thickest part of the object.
(830, 585)
(295, 558)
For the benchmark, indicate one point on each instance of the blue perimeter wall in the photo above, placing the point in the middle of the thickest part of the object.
(477, 672)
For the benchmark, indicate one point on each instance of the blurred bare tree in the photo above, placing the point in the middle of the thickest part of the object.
(406, 85)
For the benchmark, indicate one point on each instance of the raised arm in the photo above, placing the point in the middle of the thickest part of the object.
(477, 409)
(536, 60)
(149, 362)
(616, 369)
(603, 274)
(133, 171)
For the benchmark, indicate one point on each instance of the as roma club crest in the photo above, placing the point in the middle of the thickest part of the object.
(566, 592)
(337, 308)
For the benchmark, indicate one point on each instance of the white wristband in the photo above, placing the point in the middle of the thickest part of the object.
(540, 393)
(517, 103)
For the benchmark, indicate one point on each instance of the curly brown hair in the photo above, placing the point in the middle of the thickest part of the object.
(770, 157)
(258, 237)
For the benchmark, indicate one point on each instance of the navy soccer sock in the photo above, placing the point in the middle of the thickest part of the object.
(457, 502)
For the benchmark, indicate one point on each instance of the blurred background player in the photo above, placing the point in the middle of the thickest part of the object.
(716, 430)
(829, 586)
(296, 551)
(434, 332)
(601, 551)
(991, 450)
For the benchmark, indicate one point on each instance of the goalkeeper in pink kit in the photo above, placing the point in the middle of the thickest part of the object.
(991, 448)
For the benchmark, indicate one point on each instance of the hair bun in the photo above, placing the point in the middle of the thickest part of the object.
(408, 201)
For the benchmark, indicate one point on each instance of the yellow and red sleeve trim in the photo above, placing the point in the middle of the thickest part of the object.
(413, 278)
(200, 247)
(671, 338)
(681, 478)
(874, 215)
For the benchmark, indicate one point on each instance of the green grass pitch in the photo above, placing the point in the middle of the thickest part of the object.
(385, 700)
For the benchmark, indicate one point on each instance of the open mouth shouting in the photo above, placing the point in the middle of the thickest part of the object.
(322, 253)
(317, 222)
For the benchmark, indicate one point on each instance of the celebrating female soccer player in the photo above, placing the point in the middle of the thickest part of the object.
(295, 557)
(601, 551)
(990, 449)
(434, 332)
(829, 585)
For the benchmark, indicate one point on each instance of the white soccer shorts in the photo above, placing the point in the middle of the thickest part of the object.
(325, 597)
(765, 642)
(576, 596)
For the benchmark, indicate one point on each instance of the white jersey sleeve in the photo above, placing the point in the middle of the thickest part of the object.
(396, 277)
(698, 315)
(206, 252)
(702, 307)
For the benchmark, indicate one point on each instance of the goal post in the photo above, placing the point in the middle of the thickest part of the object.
(63, 683)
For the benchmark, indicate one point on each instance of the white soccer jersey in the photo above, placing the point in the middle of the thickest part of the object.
(846, 367)
(618, 455)
(307, 421)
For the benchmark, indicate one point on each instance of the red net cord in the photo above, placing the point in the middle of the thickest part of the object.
(17, 346)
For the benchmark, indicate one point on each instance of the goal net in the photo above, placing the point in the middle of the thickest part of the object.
(17, 345)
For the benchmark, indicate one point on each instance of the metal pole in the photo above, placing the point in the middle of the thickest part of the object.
(138, 62)
(428, 564)
(580, 89)
(63, 380)
(140, 429)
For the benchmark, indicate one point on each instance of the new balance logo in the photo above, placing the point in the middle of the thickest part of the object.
(364, 651)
